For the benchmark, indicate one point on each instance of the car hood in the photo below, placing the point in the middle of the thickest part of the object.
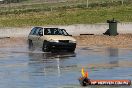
(59, 37)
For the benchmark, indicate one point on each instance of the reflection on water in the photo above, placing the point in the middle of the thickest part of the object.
(43, 56)
(113, 56)
(113, 52)
(49, 63)
(51, 68)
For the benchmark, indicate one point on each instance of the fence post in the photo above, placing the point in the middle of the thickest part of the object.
(122, 2)
(87, 3)
(51, 9)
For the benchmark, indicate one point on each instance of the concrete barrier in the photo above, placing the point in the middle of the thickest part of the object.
(77, 29)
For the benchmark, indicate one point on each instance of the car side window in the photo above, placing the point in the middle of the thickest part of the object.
(36, 32)
(40, 32)
(32, 31)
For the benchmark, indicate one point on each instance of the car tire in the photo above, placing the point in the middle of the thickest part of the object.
(46, 47)
(71, 50)
(30, 44)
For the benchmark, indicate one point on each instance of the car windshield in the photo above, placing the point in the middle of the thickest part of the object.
(55, 31)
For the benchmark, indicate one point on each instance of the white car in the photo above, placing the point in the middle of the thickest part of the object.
(51, 39)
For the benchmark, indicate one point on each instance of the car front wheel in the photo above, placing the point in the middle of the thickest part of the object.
(45, 48)
(71, 50)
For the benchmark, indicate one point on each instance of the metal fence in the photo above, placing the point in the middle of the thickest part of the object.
(27, 2)
(50, 5)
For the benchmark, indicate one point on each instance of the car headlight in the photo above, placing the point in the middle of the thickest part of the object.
(70, 41)
(53, 40)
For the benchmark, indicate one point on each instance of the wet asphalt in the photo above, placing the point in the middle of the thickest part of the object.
(22, 68)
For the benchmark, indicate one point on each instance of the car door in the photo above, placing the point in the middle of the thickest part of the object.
(35, 36)
(40, 38)
(31, 34)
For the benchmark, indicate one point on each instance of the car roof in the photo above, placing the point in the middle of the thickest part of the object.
(51, 28)
(46, 27)
(37, 27)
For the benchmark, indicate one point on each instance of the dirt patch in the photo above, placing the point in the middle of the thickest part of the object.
(119, 41)
(13, 42)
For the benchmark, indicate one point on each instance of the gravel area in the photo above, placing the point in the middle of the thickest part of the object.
(119, 41)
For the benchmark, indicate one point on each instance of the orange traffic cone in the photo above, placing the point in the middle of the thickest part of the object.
(84, 81)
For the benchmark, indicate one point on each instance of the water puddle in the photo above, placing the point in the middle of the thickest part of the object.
(21, 68)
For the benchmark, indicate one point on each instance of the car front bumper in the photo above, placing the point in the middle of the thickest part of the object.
(62, 46)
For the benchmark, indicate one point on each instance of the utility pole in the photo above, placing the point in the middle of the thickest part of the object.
(87, 3)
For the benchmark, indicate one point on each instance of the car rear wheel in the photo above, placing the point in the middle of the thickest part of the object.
(30, 44)
(46, 47)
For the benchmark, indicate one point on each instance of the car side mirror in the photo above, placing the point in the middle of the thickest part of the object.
(40, 33)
